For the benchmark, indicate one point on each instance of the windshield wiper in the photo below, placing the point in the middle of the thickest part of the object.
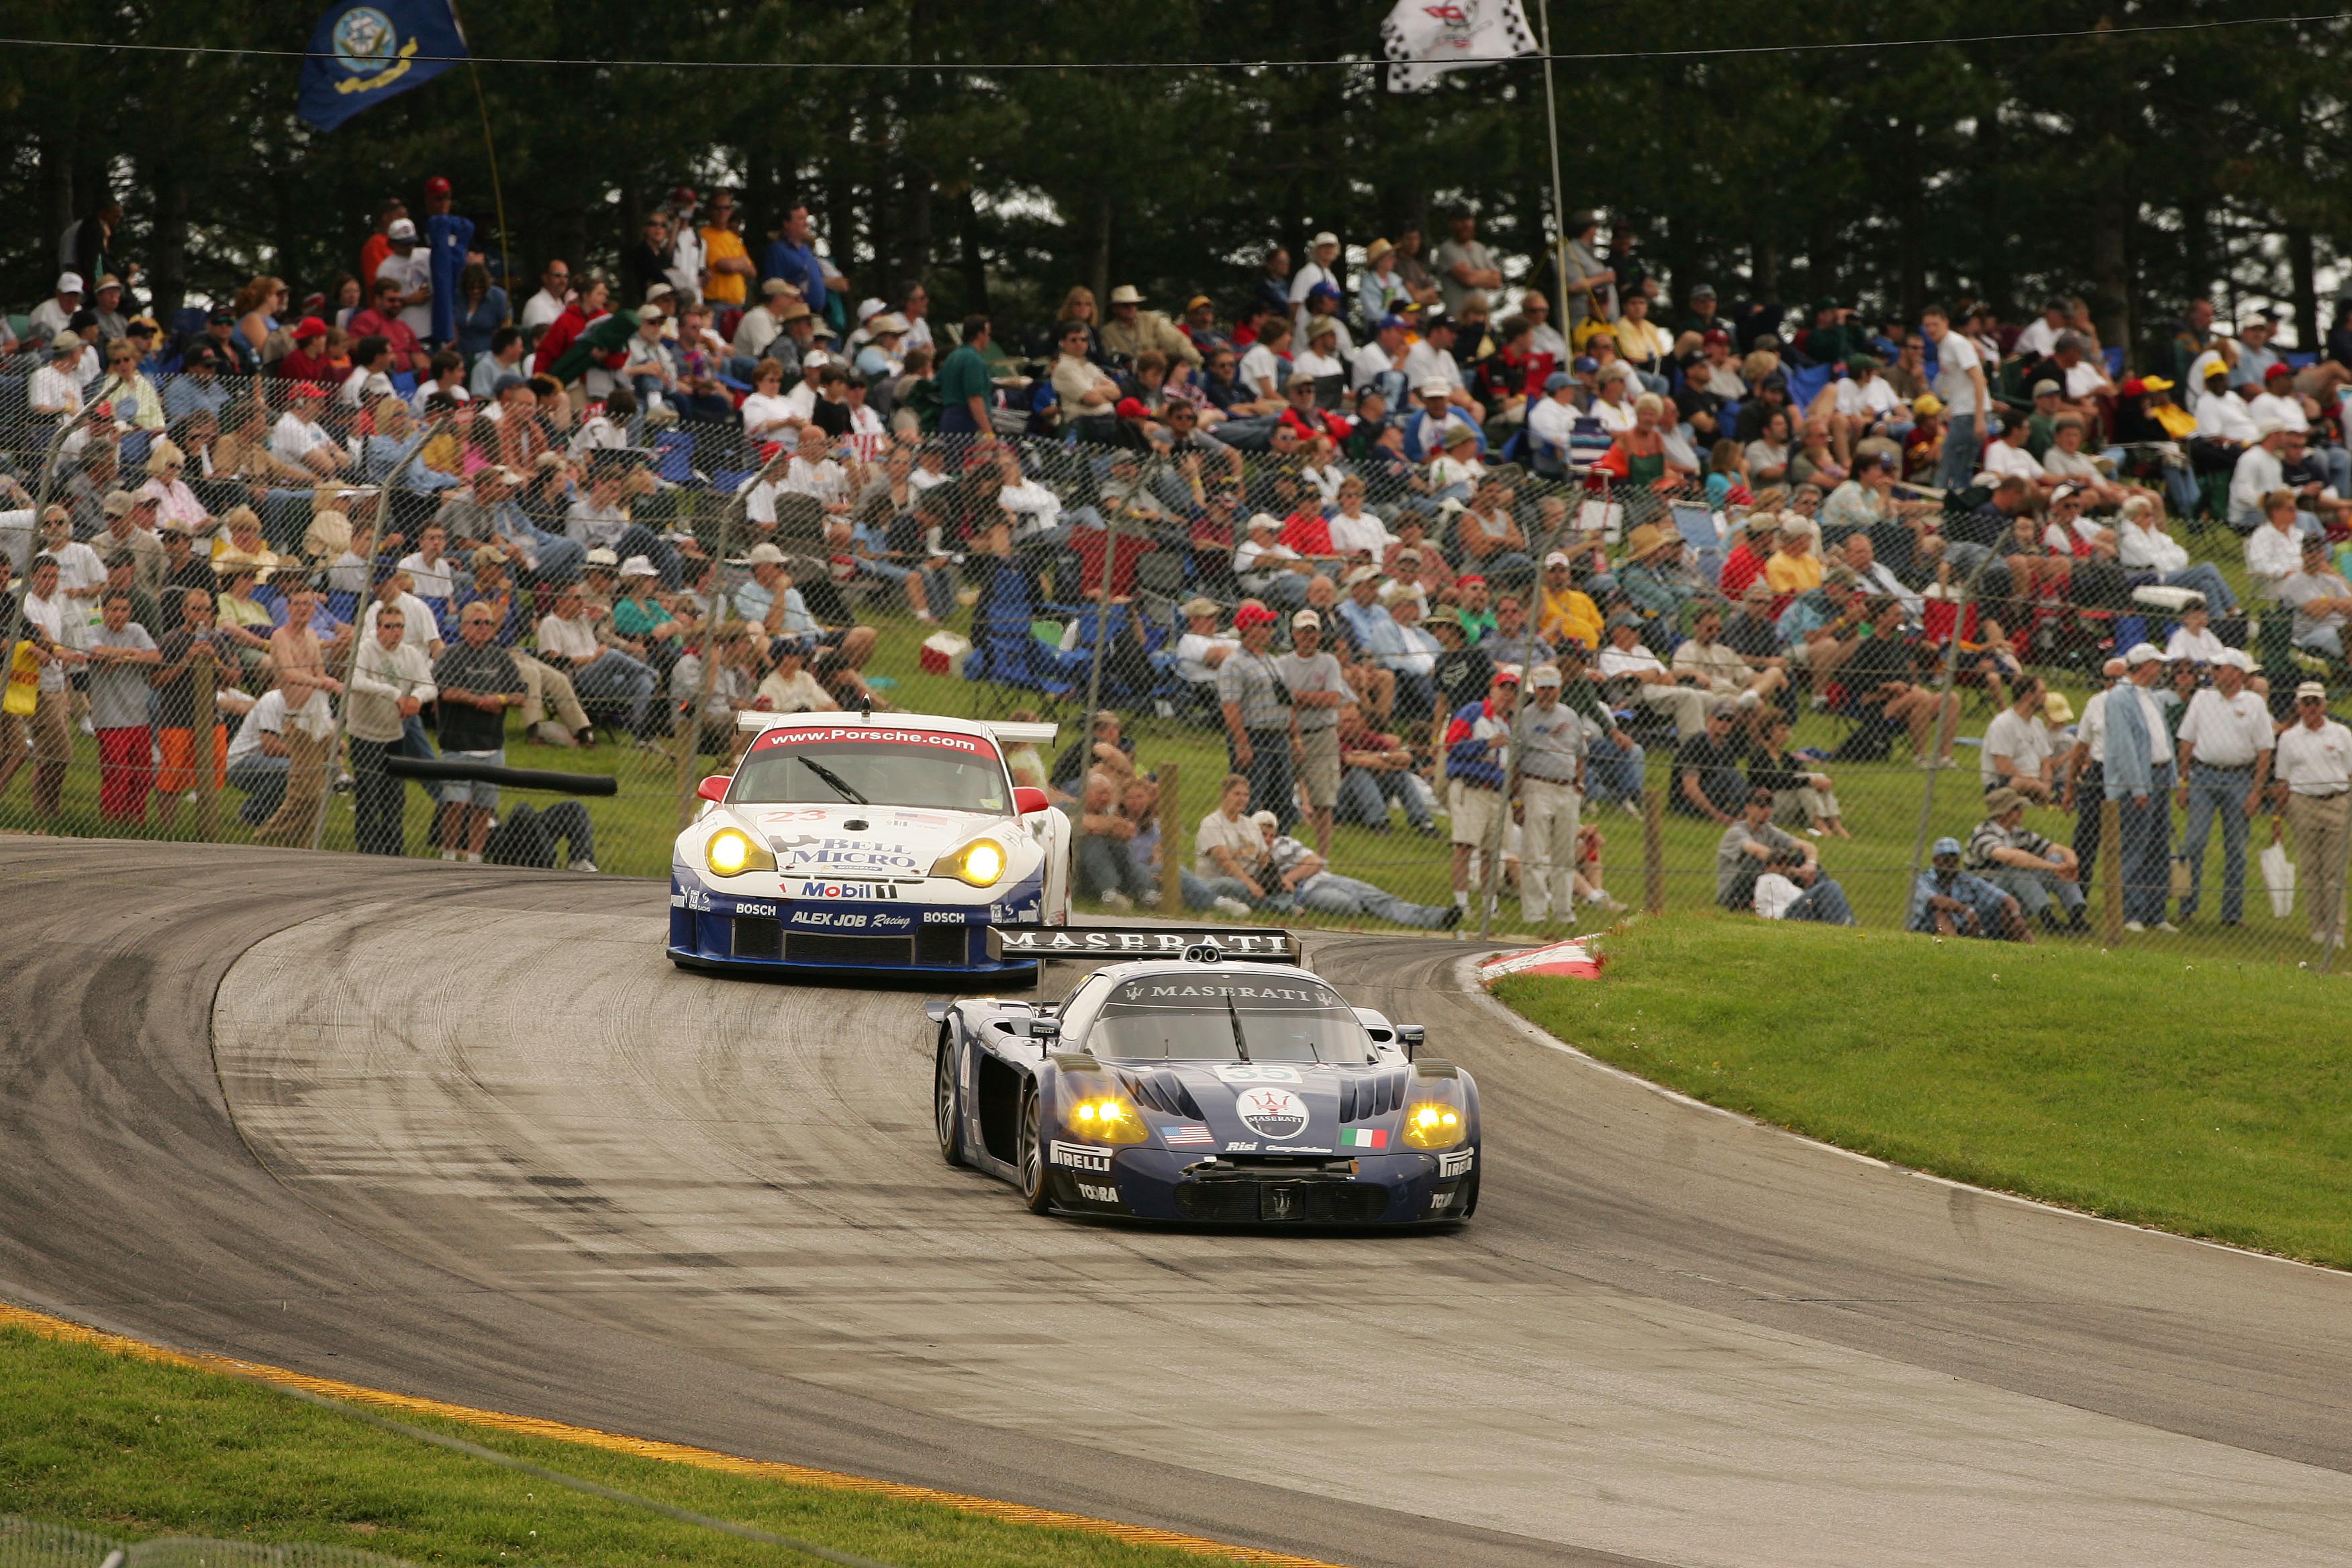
(1241, 1043)
(835, 779)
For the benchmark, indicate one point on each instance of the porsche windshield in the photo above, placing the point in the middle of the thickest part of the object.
(881, 767)
(1228, 1017)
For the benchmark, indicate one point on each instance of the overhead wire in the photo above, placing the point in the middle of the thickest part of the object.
(982, 67)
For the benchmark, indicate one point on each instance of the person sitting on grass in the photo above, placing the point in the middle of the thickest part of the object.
(1307, 876)
(2043, 877)
(1747, 847)
(1795, 889)
(1106, 872)
(1229, 854)
(1947, 901)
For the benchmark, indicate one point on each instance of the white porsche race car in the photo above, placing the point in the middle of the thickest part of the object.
(883, 841)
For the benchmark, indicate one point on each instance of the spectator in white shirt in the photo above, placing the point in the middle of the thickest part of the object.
(2314, 769)
(2259, 471)
(1200, 649)
(2143, 544)
(2192, 641)
(1552, 417)
(299, 441)
(2007, 456)
(432, 572)
(2222, 414)
(1379, 364)
(768, 414)
(2040, 336)
(2275, 550)
(2018, 751)
(2321, 599)
(554, 293)
(2225, 746)
(1354, 528)
(419, 630)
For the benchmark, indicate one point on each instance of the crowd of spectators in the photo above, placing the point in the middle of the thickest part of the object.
(1389, 504)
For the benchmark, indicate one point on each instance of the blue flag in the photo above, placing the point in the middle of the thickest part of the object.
(362, 54)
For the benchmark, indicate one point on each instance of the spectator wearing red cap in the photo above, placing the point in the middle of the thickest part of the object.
(308, 362)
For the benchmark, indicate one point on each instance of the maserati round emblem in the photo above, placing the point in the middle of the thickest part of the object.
(1275, 1115)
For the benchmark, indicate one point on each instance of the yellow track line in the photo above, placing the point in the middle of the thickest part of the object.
(53, 1328)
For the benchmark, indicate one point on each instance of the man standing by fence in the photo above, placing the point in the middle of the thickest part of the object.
(1261, 726)
(391, 682)
(1477, 756)
(1318, 688)
(2225, 765)
(1551, 789)
(2315, 770)
(2140, 779)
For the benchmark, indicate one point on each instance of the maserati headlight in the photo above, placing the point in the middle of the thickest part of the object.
(1434, 1124)
(980, 863)
(1105, 1118)
(731, 852)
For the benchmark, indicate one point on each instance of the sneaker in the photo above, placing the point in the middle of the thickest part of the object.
(1614, 906)
(1453, 913)
(585, 868)
(1115, 899)
(548, 732)
(2167, 926)
(2135, 926)
(645, 743)
(1630, 808)
(1233, 908)
(1813, 833)
(1750, 700)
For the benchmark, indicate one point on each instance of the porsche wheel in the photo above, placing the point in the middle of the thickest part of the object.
(1031, 1153)
(945, 1114)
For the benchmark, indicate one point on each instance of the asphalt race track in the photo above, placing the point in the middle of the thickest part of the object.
(465, 1133)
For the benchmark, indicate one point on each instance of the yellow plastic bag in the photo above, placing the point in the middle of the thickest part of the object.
(23, 692)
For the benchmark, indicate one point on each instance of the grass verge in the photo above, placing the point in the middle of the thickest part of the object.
(2201, 1097)
(133, 1445)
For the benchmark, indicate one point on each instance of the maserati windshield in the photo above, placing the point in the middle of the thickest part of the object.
(1228, 1018)
(875, 766)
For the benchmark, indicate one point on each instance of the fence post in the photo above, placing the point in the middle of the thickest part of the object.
(1171, 846)
(2111, 854)
(1653, 851)
(205, 714)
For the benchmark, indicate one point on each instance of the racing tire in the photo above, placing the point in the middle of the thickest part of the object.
(946, 1118)
(1030, 1155)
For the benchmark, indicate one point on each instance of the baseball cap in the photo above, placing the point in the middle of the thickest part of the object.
(1360, 574)
(1201, 604)
(68, 283)
(1556, 380)
(2142, 653)
(1584, 364)
(760, 555)
(117, 503)
(307, 328)
(1558, 558)
(2003, 801)
(436, 186)
(1623, 618)
(1324, 238)
(1944, 847)
(1926, 403)
(1261, 519)
(1507, 675)
(2045, 389)
(2311, 691)
(639, 567)
(1715, 335)
(1544, 675)
(1389, 321)
(489, 556)
(1307, 619)
(1253, 615)
(603, 556)
(2056, 709)
(2155, 383)
(2277, 371)
(1724, 710)
(402, 229)
(66, 341)
(1703, 291)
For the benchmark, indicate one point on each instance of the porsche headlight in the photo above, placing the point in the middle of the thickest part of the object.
(1105, 1118)
(979, 864)
(1434, 1124)
(731, 852)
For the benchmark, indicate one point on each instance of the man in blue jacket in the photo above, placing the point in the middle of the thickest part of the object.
(1477, 756)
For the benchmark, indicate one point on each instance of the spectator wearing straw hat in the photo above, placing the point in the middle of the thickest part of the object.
(2226, 744)
(1133, 331)
(2315, 784)
(2140, 779)
(1653, 575)
(2044, 876)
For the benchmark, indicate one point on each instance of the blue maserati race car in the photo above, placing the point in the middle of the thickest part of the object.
(864, 841)
(1202, 1077)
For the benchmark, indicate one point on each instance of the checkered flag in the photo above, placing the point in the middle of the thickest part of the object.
(1423, 40)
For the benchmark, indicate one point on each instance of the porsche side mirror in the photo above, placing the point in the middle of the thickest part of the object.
(1411, 1035)
(714, 788)
(1029, 802)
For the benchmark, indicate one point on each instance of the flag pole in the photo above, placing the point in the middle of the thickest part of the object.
(498, 195)
(1558, 212)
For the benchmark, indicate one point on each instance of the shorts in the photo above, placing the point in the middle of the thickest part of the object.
(1474, 811)
(472, 792)
(1320, 770)
(178, 774)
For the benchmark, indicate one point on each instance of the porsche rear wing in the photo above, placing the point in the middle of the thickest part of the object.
(1113, 944)
(1007, 732)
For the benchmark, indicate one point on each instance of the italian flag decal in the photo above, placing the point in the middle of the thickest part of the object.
(1363, 1138)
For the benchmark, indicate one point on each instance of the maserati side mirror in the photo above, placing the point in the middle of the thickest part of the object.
(1410, 1036)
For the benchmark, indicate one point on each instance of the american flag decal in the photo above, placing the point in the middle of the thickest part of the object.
(1190, 1133)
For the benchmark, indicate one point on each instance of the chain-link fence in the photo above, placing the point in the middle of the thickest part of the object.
(31, 1543)
(1012, 573)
